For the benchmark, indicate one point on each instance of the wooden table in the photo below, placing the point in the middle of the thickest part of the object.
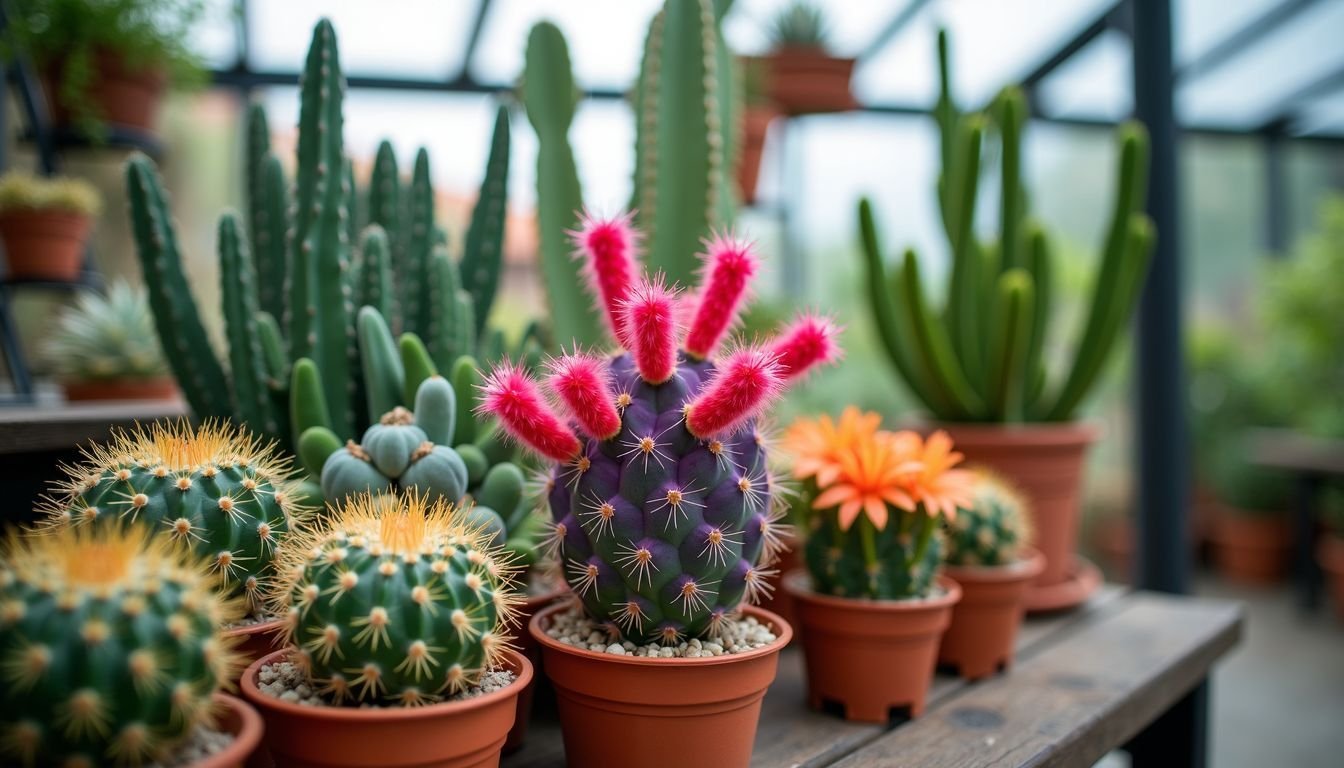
(1086, 682)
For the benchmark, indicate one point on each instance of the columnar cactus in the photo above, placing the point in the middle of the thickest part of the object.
(993, 528)
(215, 489)
(663, 511)
(109, 646)
(395, 600)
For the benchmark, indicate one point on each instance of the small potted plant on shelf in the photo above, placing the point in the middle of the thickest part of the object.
(108, 63)
(804, 78)
(988, 557)
(397, 648)
(45, 225)
(112, 654)
(105, 348)
(663, 510)
(757, 113)
(979, 364)
(871, 604)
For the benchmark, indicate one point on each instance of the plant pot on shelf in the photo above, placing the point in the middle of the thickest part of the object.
(870, 656)
(639, 712)
(755, 124)
(44, 244)
(983, 632)
(157, 388)
(807, 80)
(1251, 547)
(451, 734)
(118, 95)
(532, 651)
(1330, 556)
(241, 722)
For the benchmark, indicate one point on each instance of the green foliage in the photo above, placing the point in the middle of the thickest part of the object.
(800, 24)
(993, 529)
(107, 336)
(896, 562)
(25, 192)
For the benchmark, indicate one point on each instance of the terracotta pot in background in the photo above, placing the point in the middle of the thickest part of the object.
(1251, 548)
(450, 734)
(157, 388)
(244, 724)
(638, 712)
(755, 124)
(118, 95)
(983, 632)
(258, 640)
(870, 655)
(44, 245)
(803, 81)
(532, 651)
(1330, 556)
(780, 602)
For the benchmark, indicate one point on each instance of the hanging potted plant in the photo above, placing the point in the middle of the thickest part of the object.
(105, 348)
(663, 511)
(803, 77)
(988, 557)
(978, 364)
(108, 63)
(757, 113)
(871, 605)
(45, 224)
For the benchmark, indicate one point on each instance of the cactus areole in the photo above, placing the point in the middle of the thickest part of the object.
(662, 504)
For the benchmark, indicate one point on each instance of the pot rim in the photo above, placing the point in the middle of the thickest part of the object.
(251, 728)
(521, 667)
(1038, 433)
(783, 635)
(254, 629)
(798, 584)
(1028, 566)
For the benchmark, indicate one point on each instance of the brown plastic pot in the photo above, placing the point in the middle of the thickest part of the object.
(755, 125)
(242, 722)
(44, 244)
(1330, 556)
(118, 95)
(450, 734)
(983, 633)
(156, 388)
(639, 712)
(257, 640)
(530, 649)
(1251, 548)
(870, 656)
(806, 80)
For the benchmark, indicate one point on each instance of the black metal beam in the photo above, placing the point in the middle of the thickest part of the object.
(888, 33)
(1276, 191)
(1244, 37)
(1084, 37)
(473, 40)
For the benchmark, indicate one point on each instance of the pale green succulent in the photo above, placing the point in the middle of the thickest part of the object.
(799, 25)
(107, 336)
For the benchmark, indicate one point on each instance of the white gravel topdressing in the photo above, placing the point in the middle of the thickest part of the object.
(735, 635)
(285, 681)
(251, 620)
(200, 744)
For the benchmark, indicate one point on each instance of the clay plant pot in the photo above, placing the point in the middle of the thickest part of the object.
(1251, 548)
(870, 656)
(119, 96)
(805, 81)
(157, 388)
(450, 734)
(44, 244)
(242, 722)
(638, 712)
(983, 633)
(530, 649)
(755, 124)
(257, 640)
(1330, 556)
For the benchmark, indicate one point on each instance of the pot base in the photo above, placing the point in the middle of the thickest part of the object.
(1082, 579)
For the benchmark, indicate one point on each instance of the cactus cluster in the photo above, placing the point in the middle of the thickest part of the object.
(107, 336)
(663, 512)
(109, 647)
(395, 600)
(686, 104)
(992, 529)
(214, 489)
(984, 358)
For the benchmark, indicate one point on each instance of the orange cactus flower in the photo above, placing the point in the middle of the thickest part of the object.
(817, 445)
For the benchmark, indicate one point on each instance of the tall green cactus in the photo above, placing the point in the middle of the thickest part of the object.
(982, 357)
(483, 255)
(267, 213)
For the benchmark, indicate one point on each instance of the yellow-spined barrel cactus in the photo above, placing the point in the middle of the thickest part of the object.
(214, 488)
(993, 528)
(662, 513)
(109, 649)
(395, 599)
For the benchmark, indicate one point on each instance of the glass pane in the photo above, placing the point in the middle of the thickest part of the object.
(215, 38)
(1096, 83)
(1202, 24)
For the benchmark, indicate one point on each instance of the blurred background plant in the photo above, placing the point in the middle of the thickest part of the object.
(107, 336)
(21, 191)
(800, 24)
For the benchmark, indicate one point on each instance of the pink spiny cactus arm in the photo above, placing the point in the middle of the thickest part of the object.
(726, 277)
(581, 383)
(809, 341)
(607, 247)
(511, 395)
(746, 383)
(651, 329)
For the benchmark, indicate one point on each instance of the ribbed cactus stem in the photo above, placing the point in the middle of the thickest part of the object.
(582, 384)
(483, 253)
(650, 322)
(747, 382)
(512, 396)
(607, 249)
(247, 357)
(730, 264)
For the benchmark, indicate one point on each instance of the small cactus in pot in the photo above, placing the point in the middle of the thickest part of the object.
(105, 347)
(992, 529)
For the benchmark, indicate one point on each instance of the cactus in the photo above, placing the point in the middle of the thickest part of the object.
(800, 24)
(395, 600)
(109, 336)
(983, 358)
(213, 488)
(993, 528)
(662, 513)
(109, 647)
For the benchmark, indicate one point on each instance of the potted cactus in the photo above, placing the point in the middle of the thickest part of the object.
(112, 654)
(978, 365)
(105, 348)
(987, 555)
(45, 225)
(871, 604)
(663, 510)
(396, 652)
(804, 78)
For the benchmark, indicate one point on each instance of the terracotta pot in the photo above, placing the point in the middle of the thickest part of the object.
(780, 602)
(244, 724)
(1330, 556)
(803, 81)
(870, 656)
(755, 124)
(529, 648)
(983, 633)
(44, 245)
(117, 96)
(1251, 548)
(157, 388)
(638, 712)
(450, 734)
(258, 640)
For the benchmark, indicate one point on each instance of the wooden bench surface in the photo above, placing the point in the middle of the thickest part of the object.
(1084, 683)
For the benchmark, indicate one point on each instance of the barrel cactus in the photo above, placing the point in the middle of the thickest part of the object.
(395, 599)
(109, 648)
(993, 528)
(215, 488)
(663, 512)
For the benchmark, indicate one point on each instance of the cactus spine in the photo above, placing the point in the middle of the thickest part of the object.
(993, 528)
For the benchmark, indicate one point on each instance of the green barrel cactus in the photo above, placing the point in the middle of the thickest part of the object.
(993, 528)
(109, 647)
(395, 600)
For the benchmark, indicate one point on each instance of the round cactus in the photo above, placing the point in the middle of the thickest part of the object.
(663, 514)
(214, 488)
(993, 528)
(109, 647)
(395, 599)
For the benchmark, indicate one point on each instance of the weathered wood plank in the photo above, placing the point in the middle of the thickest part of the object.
(54, 428)
(1091, 692)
